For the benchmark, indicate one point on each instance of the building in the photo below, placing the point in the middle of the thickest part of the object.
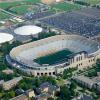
(47, 88)
(43, 96)
(91, 83)
(25, 96)
(28, 30)
(30, 93)
(1, 82)
(8, 71)
(50, 1)
(84, 81)
(19, 91)
(10, 84)
(20, 97)
(83, 97)
(85, 53)
(5, 37)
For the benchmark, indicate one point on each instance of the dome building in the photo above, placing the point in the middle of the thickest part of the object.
(5, 37)
(28, 30)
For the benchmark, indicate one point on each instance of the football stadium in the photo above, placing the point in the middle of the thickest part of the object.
(52, 55)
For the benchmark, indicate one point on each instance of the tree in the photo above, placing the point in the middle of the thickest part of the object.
(65, 93)
(11, 94)
(1, 94)
(37, 82)
(72, 88)
(98, 63)
(6, 47)
(67, 73)
(49, 79)
(50, 98)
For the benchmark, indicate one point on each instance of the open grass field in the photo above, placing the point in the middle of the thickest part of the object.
(4, 15)
(7, 5)
(53, 58)
(18, 7)
(22, 9)
(66, 6)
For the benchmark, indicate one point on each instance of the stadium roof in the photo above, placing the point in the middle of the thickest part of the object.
(28, 30)
(5, 37)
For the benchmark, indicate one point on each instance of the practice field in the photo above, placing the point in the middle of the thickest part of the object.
(3, 15)
(17, 7)
(7, 5)
(22, 9)
(66, 6)
(53, 58)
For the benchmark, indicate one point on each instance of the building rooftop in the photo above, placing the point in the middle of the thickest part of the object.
(84, 79)
(47, 87)
(28, 30)
(8, 71)
(20, 97)
(5, 37)
(83, 97)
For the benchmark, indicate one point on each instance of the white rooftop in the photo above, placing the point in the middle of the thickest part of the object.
(28, 30)
(5, 37)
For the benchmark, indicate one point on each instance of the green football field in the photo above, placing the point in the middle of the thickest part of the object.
(22, 9)
(17, 7)
(53, 58)
(7, 5)
(4, 15)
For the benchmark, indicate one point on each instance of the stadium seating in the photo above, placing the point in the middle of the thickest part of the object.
(28, 52)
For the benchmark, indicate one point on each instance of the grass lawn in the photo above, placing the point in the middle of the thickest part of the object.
(66, 6)
(22, 9)
(3, 15)
(61, 82)
(5, 5)
(53, 58)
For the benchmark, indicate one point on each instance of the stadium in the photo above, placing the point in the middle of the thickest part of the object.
(32, 58)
